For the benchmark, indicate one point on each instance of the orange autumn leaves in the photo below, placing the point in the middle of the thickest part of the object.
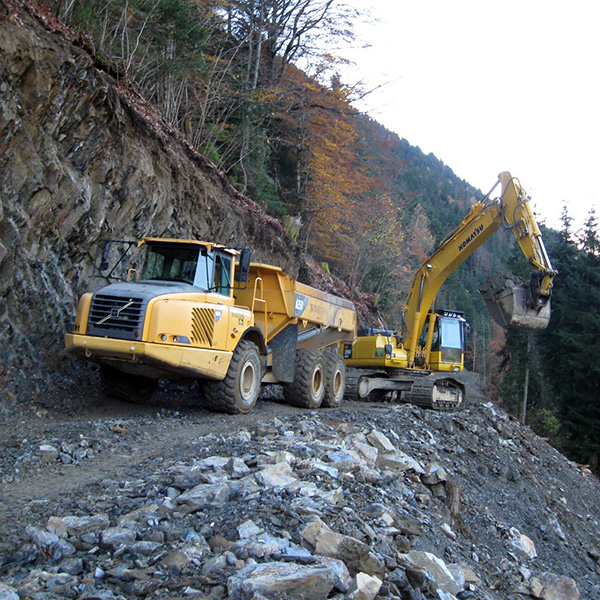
(351, 218)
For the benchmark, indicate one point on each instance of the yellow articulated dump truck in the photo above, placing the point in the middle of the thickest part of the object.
(198, 310)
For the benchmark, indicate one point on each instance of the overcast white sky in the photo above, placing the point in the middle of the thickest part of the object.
(491, 86)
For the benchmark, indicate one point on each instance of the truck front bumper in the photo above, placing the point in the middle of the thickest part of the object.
(160, 361)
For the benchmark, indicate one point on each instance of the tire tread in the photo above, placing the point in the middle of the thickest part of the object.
(334, 361)
(219, 396)
(297, 393)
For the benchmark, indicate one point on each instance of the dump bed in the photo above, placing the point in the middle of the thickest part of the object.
(278, 301)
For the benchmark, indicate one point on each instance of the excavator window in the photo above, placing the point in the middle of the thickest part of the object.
(451, 339)
(434, 339)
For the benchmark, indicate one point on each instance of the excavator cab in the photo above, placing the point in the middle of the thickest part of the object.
(512, 302)
(444, 334)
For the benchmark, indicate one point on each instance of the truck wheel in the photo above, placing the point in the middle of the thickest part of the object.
(238, 392)
(123, 386)
(336, 380)
(308, 388)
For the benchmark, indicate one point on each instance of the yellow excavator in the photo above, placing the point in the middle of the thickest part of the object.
(416, 363)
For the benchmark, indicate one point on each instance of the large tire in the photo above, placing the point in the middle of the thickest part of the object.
(238, 392)
(336, 380)
(135, 389)
(308, 388)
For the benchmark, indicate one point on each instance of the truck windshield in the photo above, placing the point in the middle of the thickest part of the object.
(193, 265)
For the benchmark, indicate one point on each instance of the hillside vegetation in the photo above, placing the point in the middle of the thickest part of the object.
(178, 117)
(365, 203)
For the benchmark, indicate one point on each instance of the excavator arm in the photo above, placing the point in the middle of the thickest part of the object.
(518, 216)
(515, 306)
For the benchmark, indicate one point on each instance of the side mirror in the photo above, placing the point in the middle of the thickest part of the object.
(243, 269)
(104, 261)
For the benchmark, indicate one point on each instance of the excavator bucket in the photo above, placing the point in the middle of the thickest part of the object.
(506, 298)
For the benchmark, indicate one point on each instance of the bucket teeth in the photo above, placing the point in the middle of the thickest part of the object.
(506, 297)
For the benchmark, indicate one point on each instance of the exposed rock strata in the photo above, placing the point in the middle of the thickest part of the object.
(83, 159)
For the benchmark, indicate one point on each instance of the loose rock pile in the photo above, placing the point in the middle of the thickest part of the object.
(395, 503)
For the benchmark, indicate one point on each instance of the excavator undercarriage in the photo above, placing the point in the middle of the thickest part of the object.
(422, 388)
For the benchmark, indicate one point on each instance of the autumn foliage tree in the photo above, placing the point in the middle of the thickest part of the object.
(334, 179)
(361, 199)
(349, 219)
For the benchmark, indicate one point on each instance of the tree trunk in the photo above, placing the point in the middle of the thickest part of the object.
(523, 418)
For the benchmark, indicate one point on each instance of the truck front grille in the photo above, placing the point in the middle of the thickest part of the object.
(203, 326)
(116, 316)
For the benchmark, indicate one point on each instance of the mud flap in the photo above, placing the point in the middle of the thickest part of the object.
(283, 346)
(507, 299)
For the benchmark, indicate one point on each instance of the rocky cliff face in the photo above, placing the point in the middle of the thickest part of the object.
(83, 159)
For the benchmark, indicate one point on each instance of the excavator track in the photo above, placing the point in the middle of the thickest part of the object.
(435, 391)
(438, 392)
(353, 377)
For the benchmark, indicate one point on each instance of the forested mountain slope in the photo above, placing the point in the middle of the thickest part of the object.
(85, 157)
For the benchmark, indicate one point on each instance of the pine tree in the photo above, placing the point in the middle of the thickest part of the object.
(571, 349)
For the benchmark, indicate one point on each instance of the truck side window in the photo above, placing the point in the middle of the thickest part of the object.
(222, 274)
(204, 271)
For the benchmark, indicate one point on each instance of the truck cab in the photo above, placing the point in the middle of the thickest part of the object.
(206, 267)
(180, 309)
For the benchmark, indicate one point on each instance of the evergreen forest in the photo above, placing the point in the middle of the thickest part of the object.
(251, 86)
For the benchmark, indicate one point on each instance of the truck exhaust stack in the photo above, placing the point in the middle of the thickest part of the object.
(506, 297)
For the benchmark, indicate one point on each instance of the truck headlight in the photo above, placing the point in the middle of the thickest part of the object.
(175, 339)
